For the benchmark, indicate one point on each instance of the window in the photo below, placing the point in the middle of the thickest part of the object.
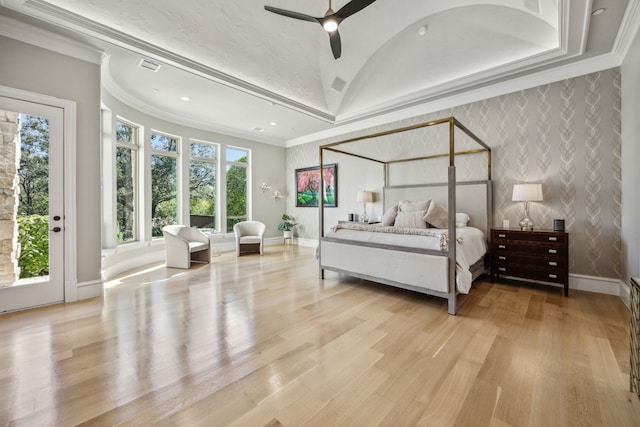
(164, 178)
(237, 167)
(202, 184)
(126, 182)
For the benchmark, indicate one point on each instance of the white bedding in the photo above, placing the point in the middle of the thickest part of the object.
(471, 244)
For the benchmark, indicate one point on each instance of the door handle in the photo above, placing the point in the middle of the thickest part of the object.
(56, 218)
(56, 229)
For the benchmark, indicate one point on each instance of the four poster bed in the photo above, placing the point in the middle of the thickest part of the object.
(411, 247)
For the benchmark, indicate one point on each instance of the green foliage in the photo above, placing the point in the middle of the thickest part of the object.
(33, 236)
(236, 193)
(125, 194)
(163, 192)
(287, 223)
(202, 188)
(34, 166)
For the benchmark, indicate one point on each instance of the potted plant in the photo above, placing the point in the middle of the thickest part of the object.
(287, 225)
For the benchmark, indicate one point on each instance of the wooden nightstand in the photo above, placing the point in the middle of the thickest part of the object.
(541, 255)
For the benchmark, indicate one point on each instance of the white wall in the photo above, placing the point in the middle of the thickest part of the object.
(631, 161)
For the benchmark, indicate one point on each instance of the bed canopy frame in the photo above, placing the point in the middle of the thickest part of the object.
(342, 147)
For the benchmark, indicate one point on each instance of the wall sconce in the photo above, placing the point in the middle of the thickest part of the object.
(264, 187)
(365, 197)
(527, 193)
(277, 195)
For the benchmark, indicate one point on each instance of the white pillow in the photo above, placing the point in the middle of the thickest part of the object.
(462, 219)
(408, 206)
(389, 216)
(437, 216)
(411, 219)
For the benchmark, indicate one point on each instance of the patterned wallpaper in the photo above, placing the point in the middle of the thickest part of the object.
(566, 135)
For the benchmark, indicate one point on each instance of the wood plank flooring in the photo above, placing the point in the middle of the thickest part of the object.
(261, 341)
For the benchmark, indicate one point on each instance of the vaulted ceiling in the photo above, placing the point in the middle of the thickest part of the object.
(244, 68)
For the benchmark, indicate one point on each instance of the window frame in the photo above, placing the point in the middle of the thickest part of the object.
(149, 188)
(247, 166)
(134, 147)
(216, 162)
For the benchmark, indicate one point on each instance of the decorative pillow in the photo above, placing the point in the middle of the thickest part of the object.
(437, 216)
(408, 206)
(411, 219)
(462, 219)
(389, 216)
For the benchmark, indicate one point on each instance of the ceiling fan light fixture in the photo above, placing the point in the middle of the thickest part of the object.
(330, 25)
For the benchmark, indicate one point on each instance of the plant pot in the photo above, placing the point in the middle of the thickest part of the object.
(288, 234)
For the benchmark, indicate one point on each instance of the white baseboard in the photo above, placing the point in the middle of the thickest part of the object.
(601, 285)
(90, 289)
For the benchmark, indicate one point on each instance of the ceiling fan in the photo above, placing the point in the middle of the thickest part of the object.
(329, 21)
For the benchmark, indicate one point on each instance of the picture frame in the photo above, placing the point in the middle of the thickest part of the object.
(308, 181)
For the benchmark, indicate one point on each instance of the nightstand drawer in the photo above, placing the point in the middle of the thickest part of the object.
(528, 236)
(528, 271)
(527, 259)
(541, 248)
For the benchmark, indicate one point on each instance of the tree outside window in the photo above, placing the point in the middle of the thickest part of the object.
(202, 185)
(33, 199)
(237, 166)
(164, 176)
(126, 181)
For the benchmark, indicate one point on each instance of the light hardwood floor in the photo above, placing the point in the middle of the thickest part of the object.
(261, 341)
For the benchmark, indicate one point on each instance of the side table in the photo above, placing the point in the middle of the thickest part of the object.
(634, 338)
(214, 236)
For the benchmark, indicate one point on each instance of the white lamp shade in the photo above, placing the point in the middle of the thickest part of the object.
(365, 196)
(527, 193)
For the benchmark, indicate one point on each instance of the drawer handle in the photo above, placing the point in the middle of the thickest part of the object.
(502, 269)
(553, 239)
(553, 263)
(502, 235)
(501, 246)
(553, 276)
(553, 251)
(502, 258)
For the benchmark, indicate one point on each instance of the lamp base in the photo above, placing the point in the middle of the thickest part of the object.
(526, 224)
(364, 217)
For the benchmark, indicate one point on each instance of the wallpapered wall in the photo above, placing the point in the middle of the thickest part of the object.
(565, 135)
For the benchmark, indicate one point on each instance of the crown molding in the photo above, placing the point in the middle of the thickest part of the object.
(30, 34)
(628, 29)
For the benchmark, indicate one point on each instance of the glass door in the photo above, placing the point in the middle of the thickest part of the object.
(31, 205)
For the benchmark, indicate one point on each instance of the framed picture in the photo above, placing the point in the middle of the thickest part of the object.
(308, 183)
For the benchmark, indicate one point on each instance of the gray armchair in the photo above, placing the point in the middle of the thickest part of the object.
(184, 244)
(249, 237)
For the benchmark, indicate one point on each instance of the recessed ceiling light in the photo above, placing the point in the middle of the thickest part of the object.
(422, 30)
(598, 11)
(185, 98)
(273, 123)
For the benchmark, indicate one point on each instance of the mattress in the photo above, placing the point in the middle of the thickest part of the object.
(471, 243)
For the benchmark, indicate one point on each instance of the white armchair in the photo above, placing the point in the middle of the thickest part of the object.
(184, 244)
(249, 236)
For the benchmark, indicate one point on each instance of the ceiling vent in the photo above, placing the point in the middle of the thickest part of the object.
(147, 64)
(338, 84)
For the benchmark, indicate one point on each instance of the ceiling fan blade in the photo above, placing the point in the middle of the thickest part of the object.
(352, 7)
(290, 14)
(336, 45)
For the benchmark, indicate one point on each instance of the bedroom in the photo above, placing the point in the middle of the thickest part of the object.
(618, 226)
